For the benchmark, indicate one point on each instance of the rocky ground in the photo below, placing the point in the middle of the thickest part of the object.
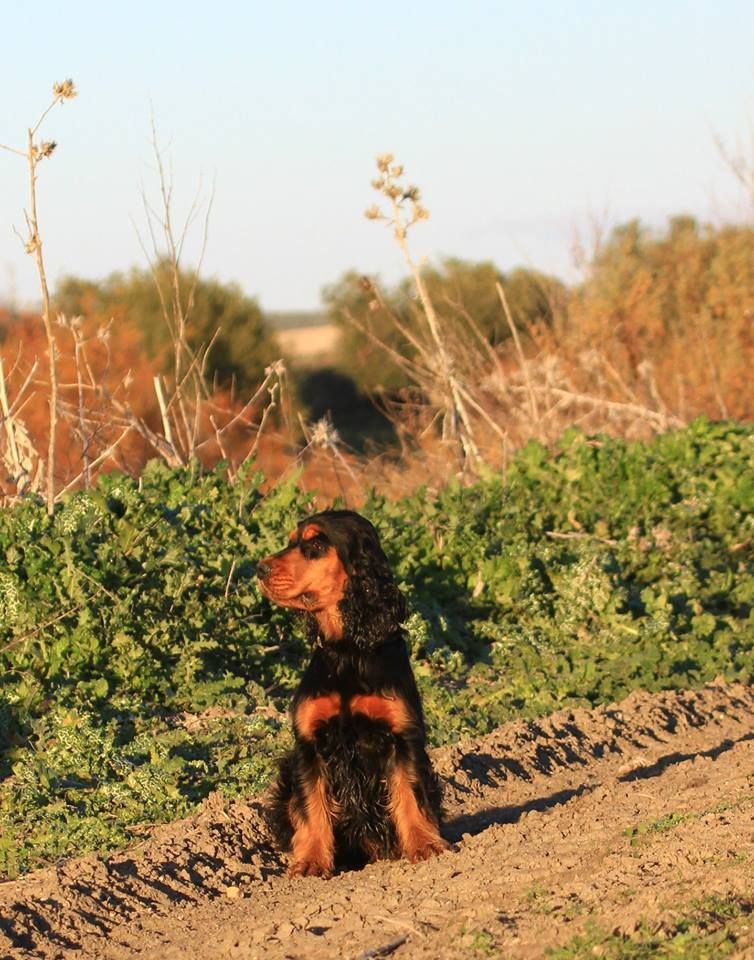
(620, 818)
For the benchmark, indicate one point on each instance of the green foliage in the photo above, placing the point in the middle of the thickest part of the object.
(140, 668)
(241, 349)
(358, 355)
(460, 286)
(661, 825)
(466, 301)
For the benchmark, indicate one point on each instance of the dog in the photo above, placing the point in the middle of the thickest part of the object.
(358, 785)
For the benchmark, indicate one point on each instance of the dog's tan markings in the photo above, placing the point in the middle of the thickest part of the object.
(327, 586)
(418, 836)
(310, 532)
(313, 711)
(316, 584)
(390, 710)
(313, 843)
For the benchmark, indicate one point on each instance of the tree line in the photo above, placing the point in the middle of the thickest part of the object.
(640, 287)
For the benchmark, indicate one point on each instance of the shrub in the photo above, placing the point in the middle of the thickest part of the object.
(140, 668)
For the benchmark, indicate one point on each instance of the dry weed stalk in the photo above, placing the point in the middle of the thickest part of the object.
(99, 432)
(492, 399)
(22, 464)
(186, 402)
(323, 437)
(181, 408)
(34, 154)
(530, 393)
(436, 370)
(98, 413)
(738, 160)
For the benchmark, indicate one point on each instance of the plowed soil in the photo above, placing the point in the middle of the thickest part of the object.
(614, 816)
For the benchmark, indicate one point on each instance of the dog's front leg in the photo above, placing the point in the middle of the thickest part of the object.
(312, 812)
(418, 833)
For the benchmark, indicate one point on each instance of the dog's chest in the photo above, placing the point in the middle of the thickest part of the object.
(358, 716)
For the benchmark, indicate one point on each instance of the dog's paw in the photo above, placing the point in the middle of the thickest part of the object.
(428, 847)
(310, 867)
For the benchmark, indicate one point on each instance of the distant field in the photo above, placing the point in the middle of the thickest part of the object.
(309, 343)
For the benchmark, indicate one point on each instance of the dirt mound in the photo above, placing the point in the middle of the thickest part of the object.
(612, 816)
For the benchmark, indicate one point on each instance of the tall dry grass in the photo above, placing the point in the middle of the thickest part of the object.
(90, 401)
(659, 331)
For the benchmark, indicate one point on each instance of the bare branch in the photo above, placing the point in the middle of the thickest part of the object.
(19, 153)
(533, 409)
(106, 454)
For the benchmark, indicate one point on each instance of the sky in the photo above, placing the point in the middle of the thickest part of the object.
(526, 125)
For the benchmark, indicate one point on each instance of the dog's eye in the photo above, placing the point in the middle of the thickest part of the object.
(312, 549)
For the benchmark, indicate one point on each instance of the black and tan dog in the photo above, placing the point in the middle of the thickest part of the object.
(358, 785)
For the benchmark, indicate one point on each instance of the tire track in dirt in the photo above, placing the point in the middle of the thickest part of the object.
(556, 822)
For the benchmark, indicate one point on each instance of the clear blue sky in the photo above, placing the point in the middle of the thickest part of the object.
(520, 121)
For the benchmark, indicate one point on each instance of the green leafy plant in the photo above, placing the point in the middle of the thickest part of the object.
(140, 668)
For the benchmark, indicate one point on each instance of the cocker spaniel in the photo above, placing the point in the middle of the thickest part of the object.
(358, 785)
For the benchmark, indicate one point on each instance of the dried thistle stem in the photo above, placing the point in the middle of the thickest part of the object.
(442, 369)
(33, 154)
(35, 245)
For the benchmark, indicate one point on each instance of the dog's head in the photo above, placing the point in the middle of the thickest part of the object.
(335, 570)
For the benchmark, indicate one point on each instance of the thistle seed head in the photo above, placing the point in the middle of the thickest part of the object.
(65, 90)
(324, 433)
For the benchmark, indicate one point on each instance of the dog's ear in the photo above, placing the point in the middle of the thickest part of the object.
(373, 606)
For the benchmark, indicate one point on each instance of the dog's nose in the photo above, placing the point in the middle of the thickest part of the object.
(263, 569)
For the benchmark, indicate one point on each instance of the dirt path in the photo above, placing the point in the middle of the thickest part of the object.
(612, 816)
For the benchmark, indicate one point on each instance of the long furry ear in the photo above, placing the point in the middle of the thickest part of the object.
(373, 606)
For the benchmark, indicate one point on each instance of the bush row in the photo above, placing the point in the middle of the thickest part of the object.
(140, 668)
